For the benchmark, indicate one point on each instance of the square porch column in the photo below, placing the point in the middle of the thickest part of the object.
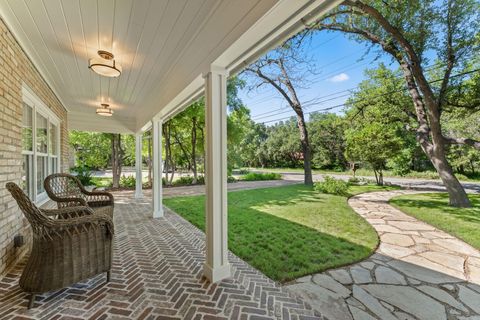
(138, 165)
(216, 265)
(157, 169)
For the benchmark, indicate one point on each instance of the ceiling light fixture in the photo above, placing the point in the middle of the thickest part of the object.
(105, 110)
(105, 65)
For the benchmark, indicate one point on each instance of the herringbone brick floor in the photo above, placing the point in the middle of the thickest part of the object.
(157, 274)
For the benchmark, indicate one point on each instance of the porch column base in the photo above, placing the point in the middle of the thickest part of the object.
(218, 273)
(158, 213)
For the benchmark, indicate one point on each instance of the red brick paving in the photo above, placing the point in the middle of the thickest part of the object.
(157, 274)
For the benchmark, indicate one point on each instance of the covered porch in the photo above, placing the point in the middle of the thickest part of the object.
(161, 57)
(157, 273)
(171, 54)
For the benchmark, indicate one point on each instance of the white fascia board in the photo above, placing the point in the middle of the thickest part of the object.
(268, 33)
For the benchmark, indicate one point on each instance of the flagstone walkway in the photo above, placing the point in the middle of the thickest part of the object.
(417, 272)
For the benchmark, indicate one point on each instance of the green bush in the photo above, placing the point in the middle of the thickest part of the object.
(255, 176)
(231, 179)
(127, 181)
(331, 185)
(183, 181)
(353, 180)
(83, 174)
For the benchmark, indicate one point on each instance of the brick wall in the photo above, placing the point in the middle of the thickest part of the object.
(16, 69)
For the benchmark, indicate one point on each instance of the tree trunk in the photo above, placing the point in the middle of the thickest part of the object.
(380, 177)
(456, 193)
(376, 176)
(167, 149)
(307, 152)
(427, 108)
(194, 150)
(117, 154)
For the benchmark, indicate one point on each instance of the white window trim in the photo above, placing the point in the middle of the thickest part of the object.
(39, 107)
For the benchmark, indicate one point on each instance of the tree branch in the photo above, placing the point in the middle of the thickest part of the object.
(272, 82)
(463, 141)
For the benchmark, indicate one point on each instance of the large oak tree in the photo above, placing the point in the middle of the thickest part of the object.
(410, 32)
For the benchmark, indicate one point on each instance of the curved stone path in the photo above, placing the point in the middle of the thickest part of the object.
(417, 272)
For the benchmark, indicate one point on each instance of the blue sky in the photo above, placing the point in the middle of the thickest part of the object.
(337, 60)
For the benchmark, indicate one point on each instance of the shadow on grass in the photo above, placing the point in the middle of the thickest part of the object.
(439, 201)
(280, 248)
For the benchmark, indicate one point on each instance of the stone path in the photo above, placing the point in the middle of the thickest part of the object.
(417, 272)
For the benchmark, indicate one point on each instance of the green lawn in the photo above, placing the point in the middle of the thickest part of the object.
(102, 182)
(433, 208)
(288, 232)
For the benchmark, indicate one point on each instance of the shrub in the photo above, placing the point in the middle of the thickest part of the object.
(83, 174)
(254, 176)
(353, 180)
(127, 181)
(188, 180)
(183, 181)
(331, 185)
(231, 179)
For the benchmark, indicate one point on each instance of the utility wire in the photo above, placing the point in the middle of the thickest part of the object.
(316, 101)
(361, 100)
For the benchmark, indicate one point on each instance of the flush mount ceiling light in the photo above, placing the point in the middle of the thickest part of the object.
(105, 65)
(105, 110)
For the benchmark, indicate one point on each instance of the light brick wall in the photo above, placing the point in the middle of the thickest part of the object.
(16, 69)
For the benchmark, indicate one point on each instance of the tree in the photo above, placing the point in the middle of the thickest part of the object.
(327, 140)
(92, 149)
(407, 31)
(373, 143)
(284, 69)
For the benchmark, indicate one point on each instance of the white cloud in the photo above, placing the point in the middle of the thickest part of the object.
(340, 77)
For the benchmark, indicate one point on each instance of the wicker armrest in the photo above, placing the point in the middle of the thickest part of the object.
(70, 202)
(103, 197)
(68, 212)
(86, 221)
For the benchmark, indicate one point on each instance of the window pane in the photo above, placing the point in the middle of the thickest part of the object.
(27, 174)
(53, 139)
(42, 167)
(27, 138)
(41, 133)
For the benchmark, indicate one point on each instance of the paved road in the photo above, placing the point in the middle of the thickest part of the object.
(473, 187)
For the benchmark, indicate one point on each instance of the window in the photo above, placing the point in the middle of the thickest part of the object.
(40, 149)
(27, 149)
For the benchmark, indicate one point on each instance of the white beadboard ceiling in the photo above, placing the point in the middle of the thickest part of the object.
(162, 46)
(153, 40)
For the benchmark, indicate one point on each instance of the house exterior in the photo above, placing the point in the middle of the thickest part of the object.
(27, 105)
(170, 52)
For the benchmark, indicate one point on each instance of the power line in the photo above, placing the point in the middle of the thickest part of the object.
(360, 100)
(316, 101)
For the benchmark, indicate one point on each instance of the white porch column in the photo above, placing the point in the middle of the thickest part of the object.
(138, 164)
(216, 265)
(157, 169)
